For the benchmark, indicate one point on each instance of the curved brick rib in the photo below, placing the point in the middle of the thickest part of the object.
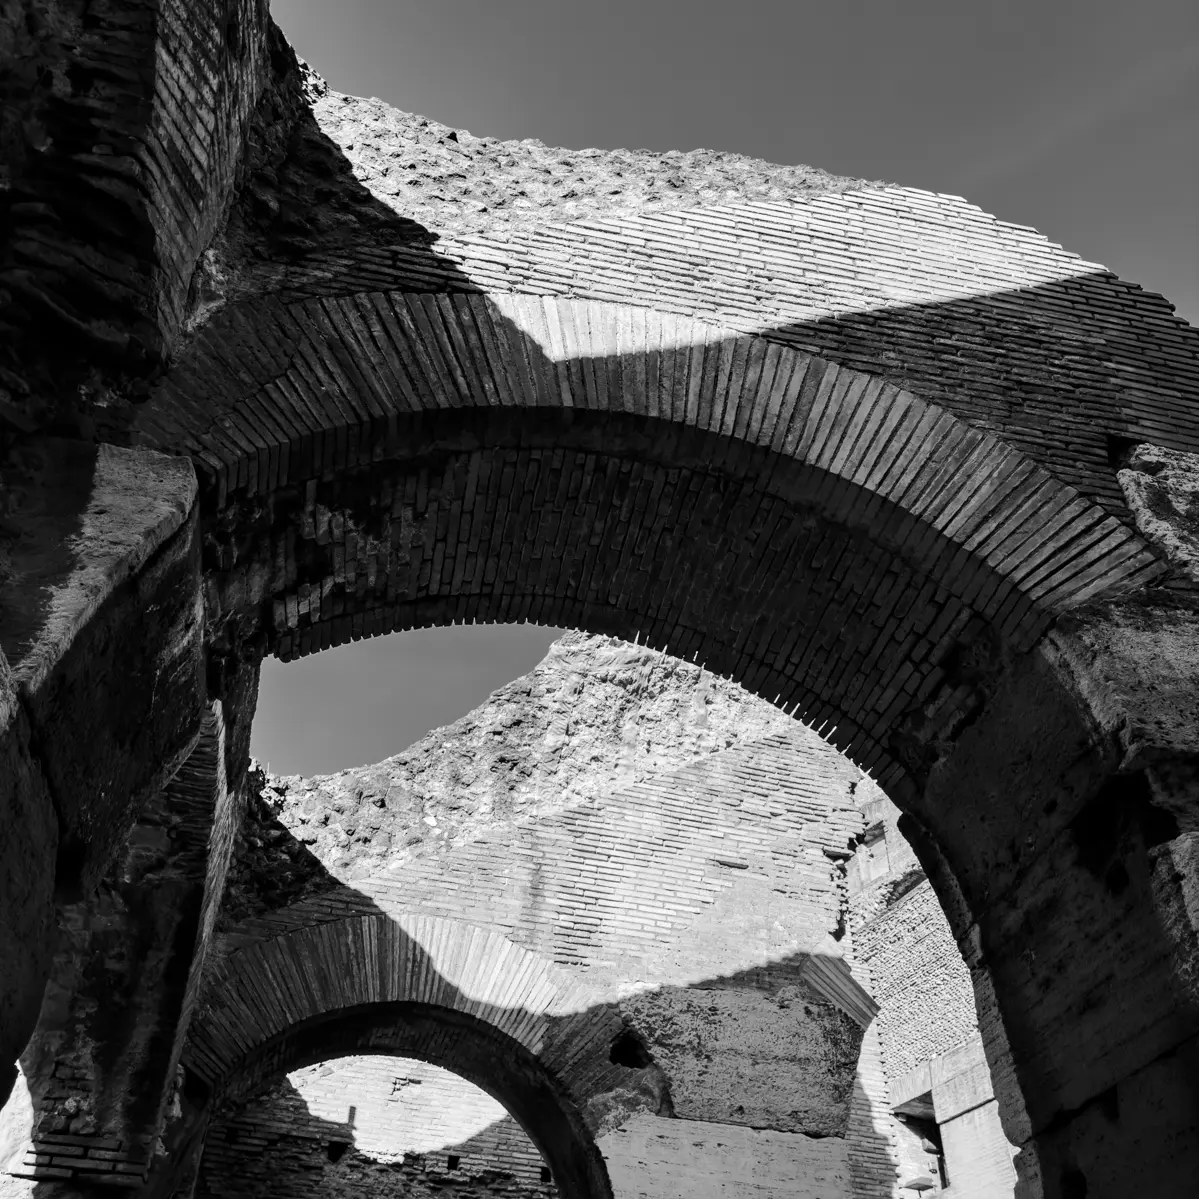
(451, 993)
(283, 395)
(320, 969)
(999, 325)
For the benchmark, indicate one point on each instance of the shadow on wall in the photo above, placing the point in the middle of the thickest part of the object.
(274, 869)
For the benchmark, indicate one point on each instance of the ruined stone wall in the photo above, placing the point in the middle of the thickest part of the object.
(450, 180)
(121, 128)
(901, 937)
(101, 687)
(872, 1135)
(595, 716)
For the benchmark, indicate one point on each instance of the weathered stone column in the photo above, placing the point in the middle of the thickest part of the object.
(101, 1068)
(100, 623)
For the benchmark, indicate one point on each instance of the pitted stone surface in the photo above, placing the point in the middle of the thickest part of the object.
(450, 181)
(733, 1059)
(1162, 490)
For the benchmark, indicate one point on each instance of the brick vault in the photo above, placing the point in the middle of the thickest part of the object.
(284, 368)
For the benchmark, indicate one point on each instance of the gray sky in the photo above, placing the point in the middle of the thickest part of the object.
(1078, 117)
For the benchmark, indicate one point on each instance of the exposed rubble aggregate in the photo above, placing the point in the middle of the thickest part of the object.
(596, 715)
(450, 180)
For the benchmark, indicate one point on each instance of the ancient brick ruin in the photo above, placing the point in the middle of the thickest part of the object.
(283, 369)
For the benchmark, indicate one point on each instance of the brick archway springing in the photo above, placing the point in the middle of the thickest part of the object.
(450, 993)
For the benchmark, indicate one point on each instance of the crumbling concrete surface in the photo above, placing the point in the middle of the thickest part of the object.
(1069, 815)
(783, 1060)
(1161, 487)
(596, 715)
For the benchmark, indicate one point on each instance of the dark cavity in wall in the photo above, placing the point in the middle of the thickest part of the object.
(1101, 831)
(629, 1051)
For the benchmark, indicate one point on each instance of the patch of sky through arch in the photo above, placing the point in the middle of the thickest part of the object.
(363, 702)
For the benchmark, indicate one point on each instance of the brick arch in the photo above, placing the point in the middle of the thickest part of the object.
(285, 396)
(390, 460)
(450, 993)
(466, 1045)
(316, 968)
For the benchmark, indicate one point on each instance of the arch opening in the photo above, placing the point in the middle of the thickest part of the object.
(376, 1124)
(454, 1041)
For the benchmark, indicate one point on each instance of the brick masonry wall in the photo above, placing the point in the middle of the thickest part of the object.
(928, 1042)
(871, 1136)
(901, 936)
(837, 596)
(1095, 366)
(596, 716)
(920, 981)
(401, 1122)
(123, 130)
(678, 881)
(923, 289)
(607, 814)
(278, 1146)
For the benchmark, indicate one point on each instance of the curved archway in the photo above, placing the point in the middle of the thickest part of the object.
(452, 994)
(812, 530)
(476, 1050)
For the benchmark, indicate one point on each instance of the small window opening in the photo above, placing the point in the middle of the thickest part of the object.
(546, 1176)
(452, 1162)
(336, 1150)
